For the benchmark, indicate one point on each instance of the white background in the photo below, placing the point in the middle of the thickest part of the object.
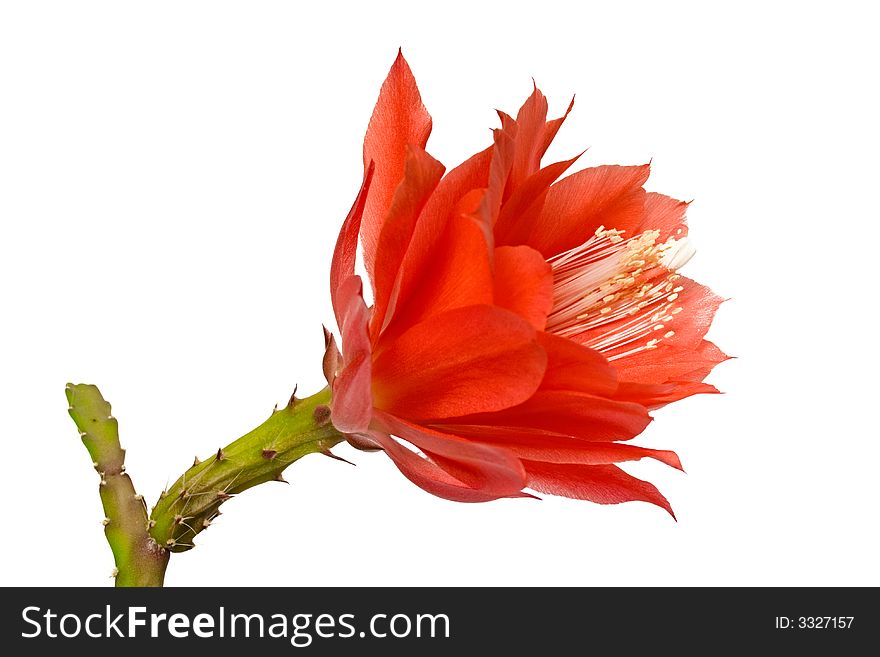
(172, 179)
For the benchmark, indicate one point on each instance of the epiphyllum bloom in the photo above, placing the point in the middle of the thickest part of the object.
(521, 328)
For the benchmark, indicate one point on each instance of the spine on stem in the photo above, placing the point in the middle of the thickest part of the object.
(189, 505)
(142, 544)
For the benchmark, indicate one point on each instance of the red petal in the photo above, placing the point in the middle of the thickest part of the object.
(661, 213)
(428, 475)
(524, 283)
(467, 360)
(352, 398)
(421, 175)
(503, 154)
(531, 121)
(577, 205)
(603, 484)
(702, 359)
(664, 214)
(563, 449)
(508, 123)
(469, 175)
(651, 395)
(571, 366)
(459, 275)
(699, 305)
(431, 240)
(669, 364)
(490, 469)
(552, 128)
(684, 356)
(522, 210)
(567, 413)
(398, 120)
(352, 403)
(345, 253)
(355, 317)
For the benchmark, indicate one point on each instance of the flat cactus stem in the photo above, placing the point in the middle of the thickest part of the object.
(193, 501)
(139, 560)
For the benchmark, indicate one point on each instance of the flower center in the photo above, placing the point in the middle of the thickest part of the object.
(616, 294)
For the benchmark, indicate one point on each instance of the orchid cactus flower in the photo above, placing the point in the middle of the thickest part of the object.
(522, 326)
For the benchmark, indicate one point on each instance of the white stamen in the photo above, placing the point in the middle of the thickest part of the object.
(624, 284)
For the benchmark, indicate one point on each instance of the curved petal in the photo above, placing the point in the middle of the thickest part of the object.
(571, 366)
(421, 175)
(471, 174)
(428, 476)
(669, 364)
(399, 119)
(579, 204)
(459, 275)
(345, 253)
(682, 354)
(486, 215)
(662, 213)
(467, 360)
(553, 448)
(566, 413)
(524, 284)
(531, 121)
(652, 395)
(552, 128)
(352, 405)
(434, 243)
(490, 469)
(520, 212)
(603, 484)
(698, 307)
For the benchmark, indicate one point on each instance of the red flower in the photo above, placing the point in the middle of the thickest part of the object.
(521, 327)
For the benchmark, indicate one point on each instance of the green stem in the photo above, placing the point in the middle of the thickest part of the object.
(139, 561)
(193, 501)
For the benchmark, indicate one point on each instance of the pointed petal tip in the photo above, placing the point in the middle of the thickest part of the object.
(661, 501)
(401, 66)
(399, 118)
(602, 484)
(675, 461)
